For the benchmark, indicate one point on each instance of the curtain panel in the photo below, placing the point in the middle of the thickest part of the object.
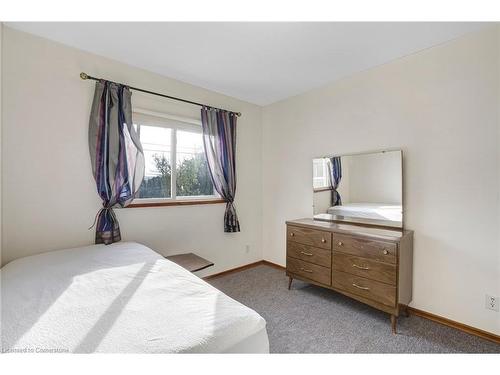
(219, 140)
(335, 177)
(116, 155)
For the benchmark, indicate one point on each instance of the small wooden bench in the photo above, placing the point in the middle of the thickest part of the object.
(190, 261)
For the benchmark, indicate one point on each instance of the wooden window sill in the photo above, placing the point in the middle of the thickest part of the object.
(186, 202)
(319, 190)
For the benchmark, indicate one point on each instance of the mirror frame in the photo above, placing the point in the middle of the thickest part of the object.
(366, 222)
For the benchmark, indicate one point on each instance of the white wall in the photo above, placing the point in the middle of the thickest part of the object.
(1, 116)
(49, 196)
(373, 178)
(498, 148)
(441, 107)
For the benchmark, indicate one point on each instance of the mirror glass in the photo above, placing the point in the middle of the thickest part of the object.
(360, 188)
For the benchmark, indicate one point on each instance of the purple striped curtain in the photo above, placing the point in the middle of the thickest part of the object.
(116, 155)
(219, 139)
(335, 167)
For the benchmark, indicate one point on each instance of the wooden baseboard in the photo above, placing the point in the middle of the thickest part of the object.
(271, 264)
(451, 323)
(245, 267)
(423, 314)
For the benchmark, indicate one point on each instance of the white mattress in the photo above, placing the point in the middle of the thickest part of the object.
(378, 211)
(120, 298)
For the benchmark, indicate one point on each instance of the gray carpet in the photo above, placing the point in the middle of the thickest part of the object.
(309, 319)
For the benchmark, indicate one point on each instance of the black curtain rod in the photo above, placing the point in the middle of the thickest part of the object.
(85, 76)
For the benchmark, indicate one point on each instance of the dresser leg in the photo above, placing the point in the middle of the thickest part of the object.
(394, 322)
(290, 278)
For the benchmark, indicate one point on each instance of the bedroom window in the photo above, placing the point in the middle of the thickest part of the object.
(176, 166)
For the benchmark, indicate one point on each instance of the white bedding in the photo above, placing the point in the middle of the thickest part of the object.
(378, 211)
(119, 298)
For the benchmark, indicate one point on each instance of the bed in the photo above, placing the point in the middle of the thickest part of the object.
(374, 211)
(120, 298)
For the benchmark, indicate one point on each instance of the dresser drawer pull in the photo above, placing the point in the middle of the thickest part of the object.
(306, 270)
(308, 254)
(323, 240)
(360, 287)
(385, 252)
(360, 267)
(292, 234)
(340, 243)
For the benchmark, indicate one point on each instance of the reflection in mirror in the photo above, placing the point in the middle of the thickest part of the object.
(362, 188)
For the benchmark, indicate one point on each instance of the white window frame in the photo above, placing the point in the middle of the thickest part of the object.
(159, 119)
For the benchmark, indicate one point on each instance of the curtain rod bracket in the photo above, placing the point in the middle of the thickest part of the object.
(85, 76)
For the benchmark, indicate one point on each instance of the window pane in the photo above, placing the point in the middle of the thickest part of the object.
(156, 145)
(320, 173)
(193, 177)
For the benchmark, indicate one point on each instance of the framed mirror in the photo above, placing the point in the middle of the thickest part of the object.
(362, 188)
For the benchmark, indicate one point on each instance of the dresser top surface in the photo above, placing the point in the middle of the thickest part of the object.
(358, 230)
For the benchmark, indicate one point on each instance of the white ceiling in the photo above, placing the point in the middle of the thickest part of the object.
(258, 62)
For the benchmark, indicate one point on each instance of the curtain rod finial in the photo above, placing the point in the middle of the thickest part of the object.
(83, 75)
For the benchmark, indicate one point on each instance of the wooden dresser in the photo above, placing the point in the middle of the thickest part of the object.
(372, 265)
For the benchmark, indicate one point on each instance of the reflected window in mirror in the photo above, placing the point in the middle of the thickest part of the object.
(320, 174)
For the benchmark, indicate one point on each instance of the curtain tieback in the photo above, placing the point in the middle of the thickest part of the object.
(97, 215)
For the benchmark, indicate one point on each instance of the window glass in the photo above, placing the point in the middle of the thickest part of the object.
(175, 162)
(193, 177)
(156, 144)
(320, 173)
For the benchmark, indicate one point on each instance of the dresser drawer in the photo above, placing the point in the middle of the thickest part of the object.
(308, 270)
(366, 248)
(371, 269)
(373, 290)
(307, 236)
(310, 254)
